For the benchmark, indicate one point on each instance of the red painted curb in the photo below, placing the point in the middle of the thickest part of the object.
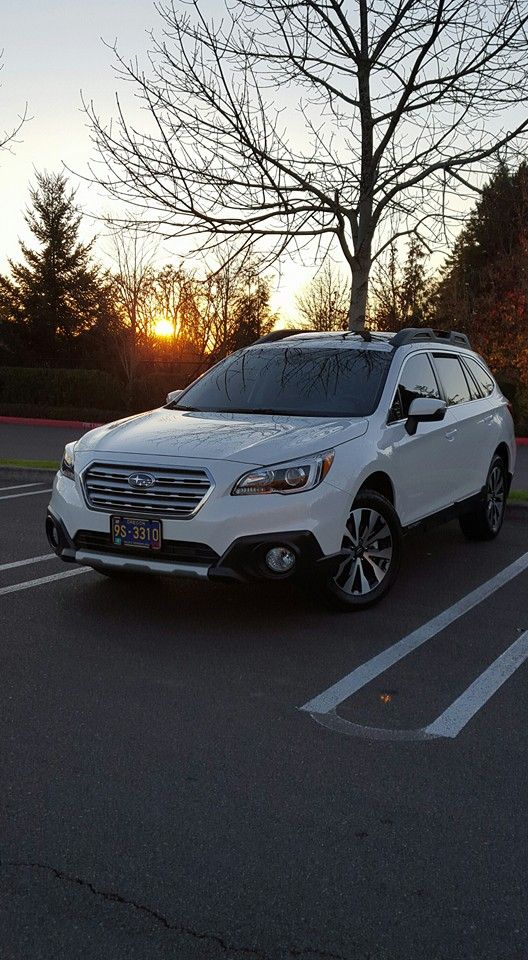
(522, 441)
(35, 422)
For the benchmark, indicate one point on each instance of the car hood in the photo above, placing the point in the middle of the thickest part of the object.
(245, 438)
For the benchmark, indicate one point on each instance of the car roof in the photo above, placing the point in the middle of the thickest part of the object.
(412, 338)
(330, 339)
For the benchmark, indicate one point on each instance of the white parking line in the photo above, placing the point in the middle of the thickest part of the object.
(29, 493)
(454, 719)
(27, 584)
(18, 486)
(345, 688)
(23, 563)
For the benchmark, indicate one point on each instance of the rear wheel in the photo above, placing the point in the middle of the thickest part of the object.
(372, 539)
(485, 522)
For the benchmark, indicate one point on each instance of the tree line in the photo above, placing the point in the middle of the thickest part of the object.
(336, 123)
(60, 307)
(480, 289)
(339, 124)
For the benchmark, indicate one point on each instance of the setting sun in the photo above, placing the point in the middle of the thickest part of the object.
(163, 327)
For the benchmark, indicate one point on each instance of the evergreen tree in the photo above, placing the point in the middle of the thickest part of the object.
(484, 287)
(403, 296)
(56, 295)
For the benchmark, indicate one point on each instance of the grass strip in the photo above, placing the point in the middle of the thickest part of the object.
(519, 495)
(31, 464)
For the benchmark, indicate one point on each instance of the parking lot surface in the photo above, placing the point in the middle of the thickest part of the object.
(172, 786)
(25, 442)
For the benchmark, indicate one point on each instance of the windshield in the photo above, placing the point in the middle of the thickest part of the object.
(293, 381)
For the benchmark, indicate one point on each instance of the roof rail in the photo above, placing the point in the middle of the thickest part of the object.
(292, 332)
(279, 335)
(416, 334)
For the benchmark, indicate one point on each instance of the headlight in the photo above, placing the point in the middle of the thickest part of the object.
(286, 477)
(68, 461)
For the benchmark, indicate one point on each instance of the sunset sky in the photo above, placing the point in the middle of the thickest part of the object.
(53, 50)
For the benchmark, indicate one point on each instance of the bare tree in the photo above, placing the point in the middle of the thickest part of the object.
(324, 303)
(401, 104)
(9, 136)
(132, 283)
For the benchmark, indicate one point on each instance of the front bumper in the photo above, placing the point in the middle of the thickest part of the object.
(244, 560)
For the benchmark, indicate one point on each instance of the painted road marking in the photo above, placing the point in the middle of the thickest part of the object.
(18, 486)
(454, 719)
(23, 563)
(345, 688)
(29, 493)
(322, 708)
(27, 584)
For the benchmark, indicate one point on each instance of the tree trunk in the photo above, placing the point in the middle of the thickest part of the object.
(359, 295)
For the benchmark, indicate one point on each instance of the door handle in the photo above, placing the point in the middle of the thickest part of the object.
(450, 434)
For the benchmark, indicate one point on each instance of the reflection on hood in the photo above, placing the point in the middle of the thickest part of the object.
(247, 438)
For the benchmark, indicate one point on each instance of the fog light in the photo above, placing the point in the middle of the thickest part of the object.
(280, 559)
(52, 533)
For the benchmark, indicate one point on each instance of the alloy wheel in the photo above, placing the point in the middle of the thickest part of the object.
(369, 543)
(495, 497)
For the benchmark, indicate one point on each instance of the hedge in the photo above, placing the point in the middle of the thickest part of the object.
(91, 395)
(98, 396)
(60, 388)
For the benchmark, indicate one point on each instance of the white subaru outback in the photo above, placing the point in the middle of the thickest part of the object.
(304, 455)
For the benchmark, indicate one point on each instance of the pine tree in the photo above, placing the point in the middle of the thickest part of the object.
(56, 294)
(484, 287)
(403, 296)
(489, 256)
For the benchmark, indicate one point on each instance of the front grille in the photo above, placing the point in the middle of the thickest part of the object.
(176, 551)
(176, 491)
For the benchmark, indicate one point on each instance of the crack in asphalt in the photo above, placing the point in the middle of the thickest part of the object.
(113, 897)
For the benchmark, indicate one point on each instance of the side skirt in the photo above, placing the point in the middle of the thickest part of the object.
(449, 513)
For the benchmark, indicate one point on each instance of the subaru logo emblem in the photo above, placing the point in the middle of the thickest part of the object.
(138, 481)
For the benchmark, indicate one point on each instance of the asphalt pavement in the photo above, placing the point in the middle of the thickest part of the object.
(24, 442)
(165, 794)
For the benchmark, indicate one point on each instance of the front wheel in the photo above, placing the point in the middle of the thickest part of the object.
(485, 522)
(372, 539)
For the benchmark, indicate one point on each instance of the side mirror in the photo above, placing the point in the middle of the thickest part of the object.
(173, 395)
(424, 410)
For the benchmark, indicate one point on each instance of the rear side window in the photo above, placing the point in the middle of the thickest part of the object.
(453, 379)
(417, 379)
(483, 378)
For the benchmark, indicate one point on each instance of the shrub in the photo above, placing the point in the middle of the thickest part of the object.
(39, 386)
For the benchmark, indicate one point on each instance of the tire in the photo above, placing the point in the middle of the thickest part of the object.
(485, 522)
(362, 580)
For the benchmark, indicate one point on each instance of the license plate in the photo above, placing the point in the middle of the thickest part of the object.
(127, 532)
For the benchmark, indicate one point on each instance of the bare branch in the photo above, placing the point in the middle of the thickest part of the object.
(302, 122)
